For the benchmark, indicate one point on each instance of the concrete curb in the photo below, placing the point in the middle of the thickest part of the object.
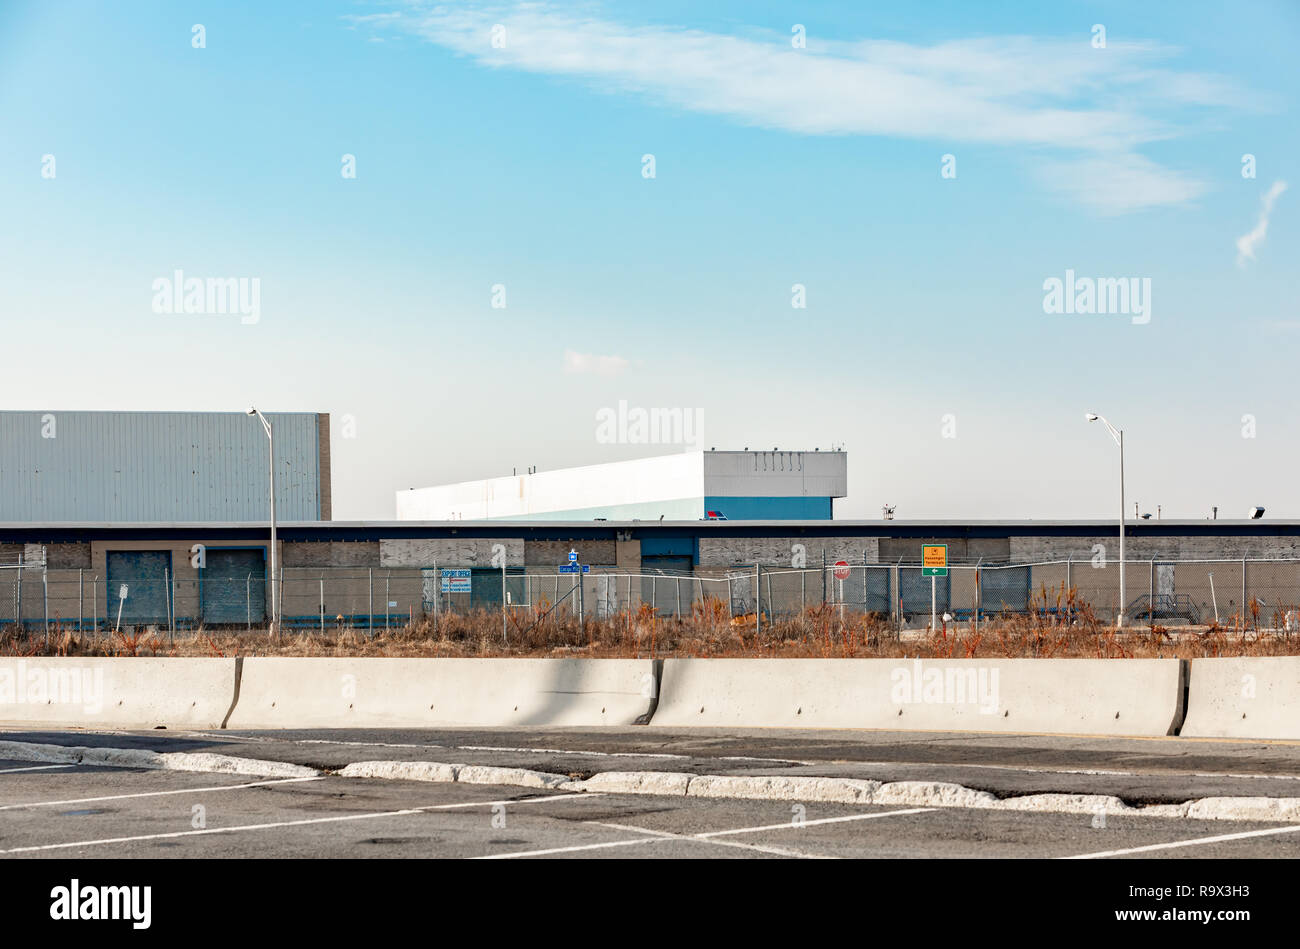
(156, 761)
(793, 788)
(809, 789)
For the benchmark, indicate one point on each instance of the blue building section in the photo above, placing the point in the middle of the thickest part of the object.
(770, 509)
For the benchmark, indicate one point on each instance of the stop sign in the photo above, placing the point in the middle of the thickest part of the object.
(841, 570)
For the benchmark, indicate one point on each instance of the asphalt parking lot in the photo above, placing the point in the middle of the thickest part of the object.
(72, 811)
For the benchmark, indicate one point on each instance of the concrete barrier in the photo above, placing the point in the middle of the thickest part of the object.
(130, 693)
(421, 693)
(1069, 696)
(1244, 698)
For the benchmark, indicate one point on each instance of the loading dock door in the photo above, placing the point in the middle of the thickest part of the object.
(144, 573)
(485, 591)
(914, 590)
(233, 586)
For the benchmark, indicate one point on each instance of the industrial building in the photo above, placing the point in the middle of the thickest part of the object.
(731, 485)
(123, 467)
(373, 573)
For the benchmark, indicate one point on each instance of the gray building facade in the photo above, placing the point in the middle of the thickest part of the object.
(134, 467)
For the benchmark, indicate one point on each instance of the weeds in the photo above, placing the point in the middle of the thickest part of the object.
(1056, 625)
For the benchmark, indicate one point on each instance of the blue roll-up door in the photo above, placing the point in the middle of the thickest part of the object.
(877, 583)
(485, 587)
(1006, 588)
(662, 583)
(233, 586)
(916, 591)
(144, 573)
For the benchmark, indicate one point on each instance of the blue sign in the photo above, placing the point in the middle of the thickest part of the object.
(573, 556)
(455, 581)
(573, 568)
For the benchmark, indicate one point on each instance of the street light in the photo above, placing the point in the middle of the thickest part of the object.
(275, 608)
(1118, 435)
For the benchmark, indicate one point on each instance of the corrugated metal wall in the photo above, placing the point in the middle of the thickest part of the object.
(156, 466)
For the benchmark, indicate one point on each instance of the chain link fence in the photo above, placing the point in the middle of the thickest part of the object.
(1247, 593)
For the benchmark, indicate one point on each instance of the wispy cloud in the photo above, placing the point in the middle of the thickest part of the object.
(1062, 97)
(591, 363)
(1118, 183)
(1247, 243)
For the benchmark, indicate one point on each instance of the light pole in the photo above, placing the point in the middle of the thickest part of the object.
(275, 600)
(1118, 435)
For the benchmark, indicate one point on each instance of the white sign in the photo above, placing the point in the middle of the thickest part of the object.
(456, 581)
(121, 593)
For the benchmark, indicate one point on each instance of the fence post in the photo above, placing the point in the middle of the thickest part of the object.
(679, 597)
(758, 597)
(94, 605)
(248, 601)
(45, 595)
(370, 590)
(731, 610)
(81, 601)
(386, 599)
(896, 599)
(1243, 593)
(322, 603)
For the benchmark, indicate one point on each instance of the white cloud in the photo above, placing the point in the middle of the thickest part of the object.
(592, 363)
(1011, 90)
(1247, 243)
(1115, 184)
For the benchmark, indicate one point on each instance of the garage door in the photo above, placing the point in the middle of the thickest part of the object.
(915, 591)
(485, 587)
(233, 586)
(144, 573)
(1004, 588)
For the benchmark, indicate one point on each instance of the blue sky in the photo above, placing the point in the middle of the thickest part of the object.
(521, 165)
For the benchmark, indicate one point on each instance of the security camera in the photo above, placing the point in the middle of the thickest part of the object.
(1256, 513)
(252, 411)
(1092, 418)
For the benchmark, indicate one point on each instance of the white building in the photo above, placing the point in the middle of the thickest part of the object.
(737, 485)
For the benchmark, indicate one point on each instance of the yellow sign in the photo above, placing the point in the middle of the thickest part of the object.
(934, 555)
(934, 560)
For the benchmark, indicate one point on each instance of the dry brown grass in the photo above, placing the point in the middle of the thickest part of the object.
(1057, 625)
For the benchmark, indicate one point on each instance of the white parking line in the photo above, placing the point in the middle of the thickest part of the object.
(659, 836)
(1196, 841)
(37, 767)
(120, 797)
(791, 825)
(404, 812)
